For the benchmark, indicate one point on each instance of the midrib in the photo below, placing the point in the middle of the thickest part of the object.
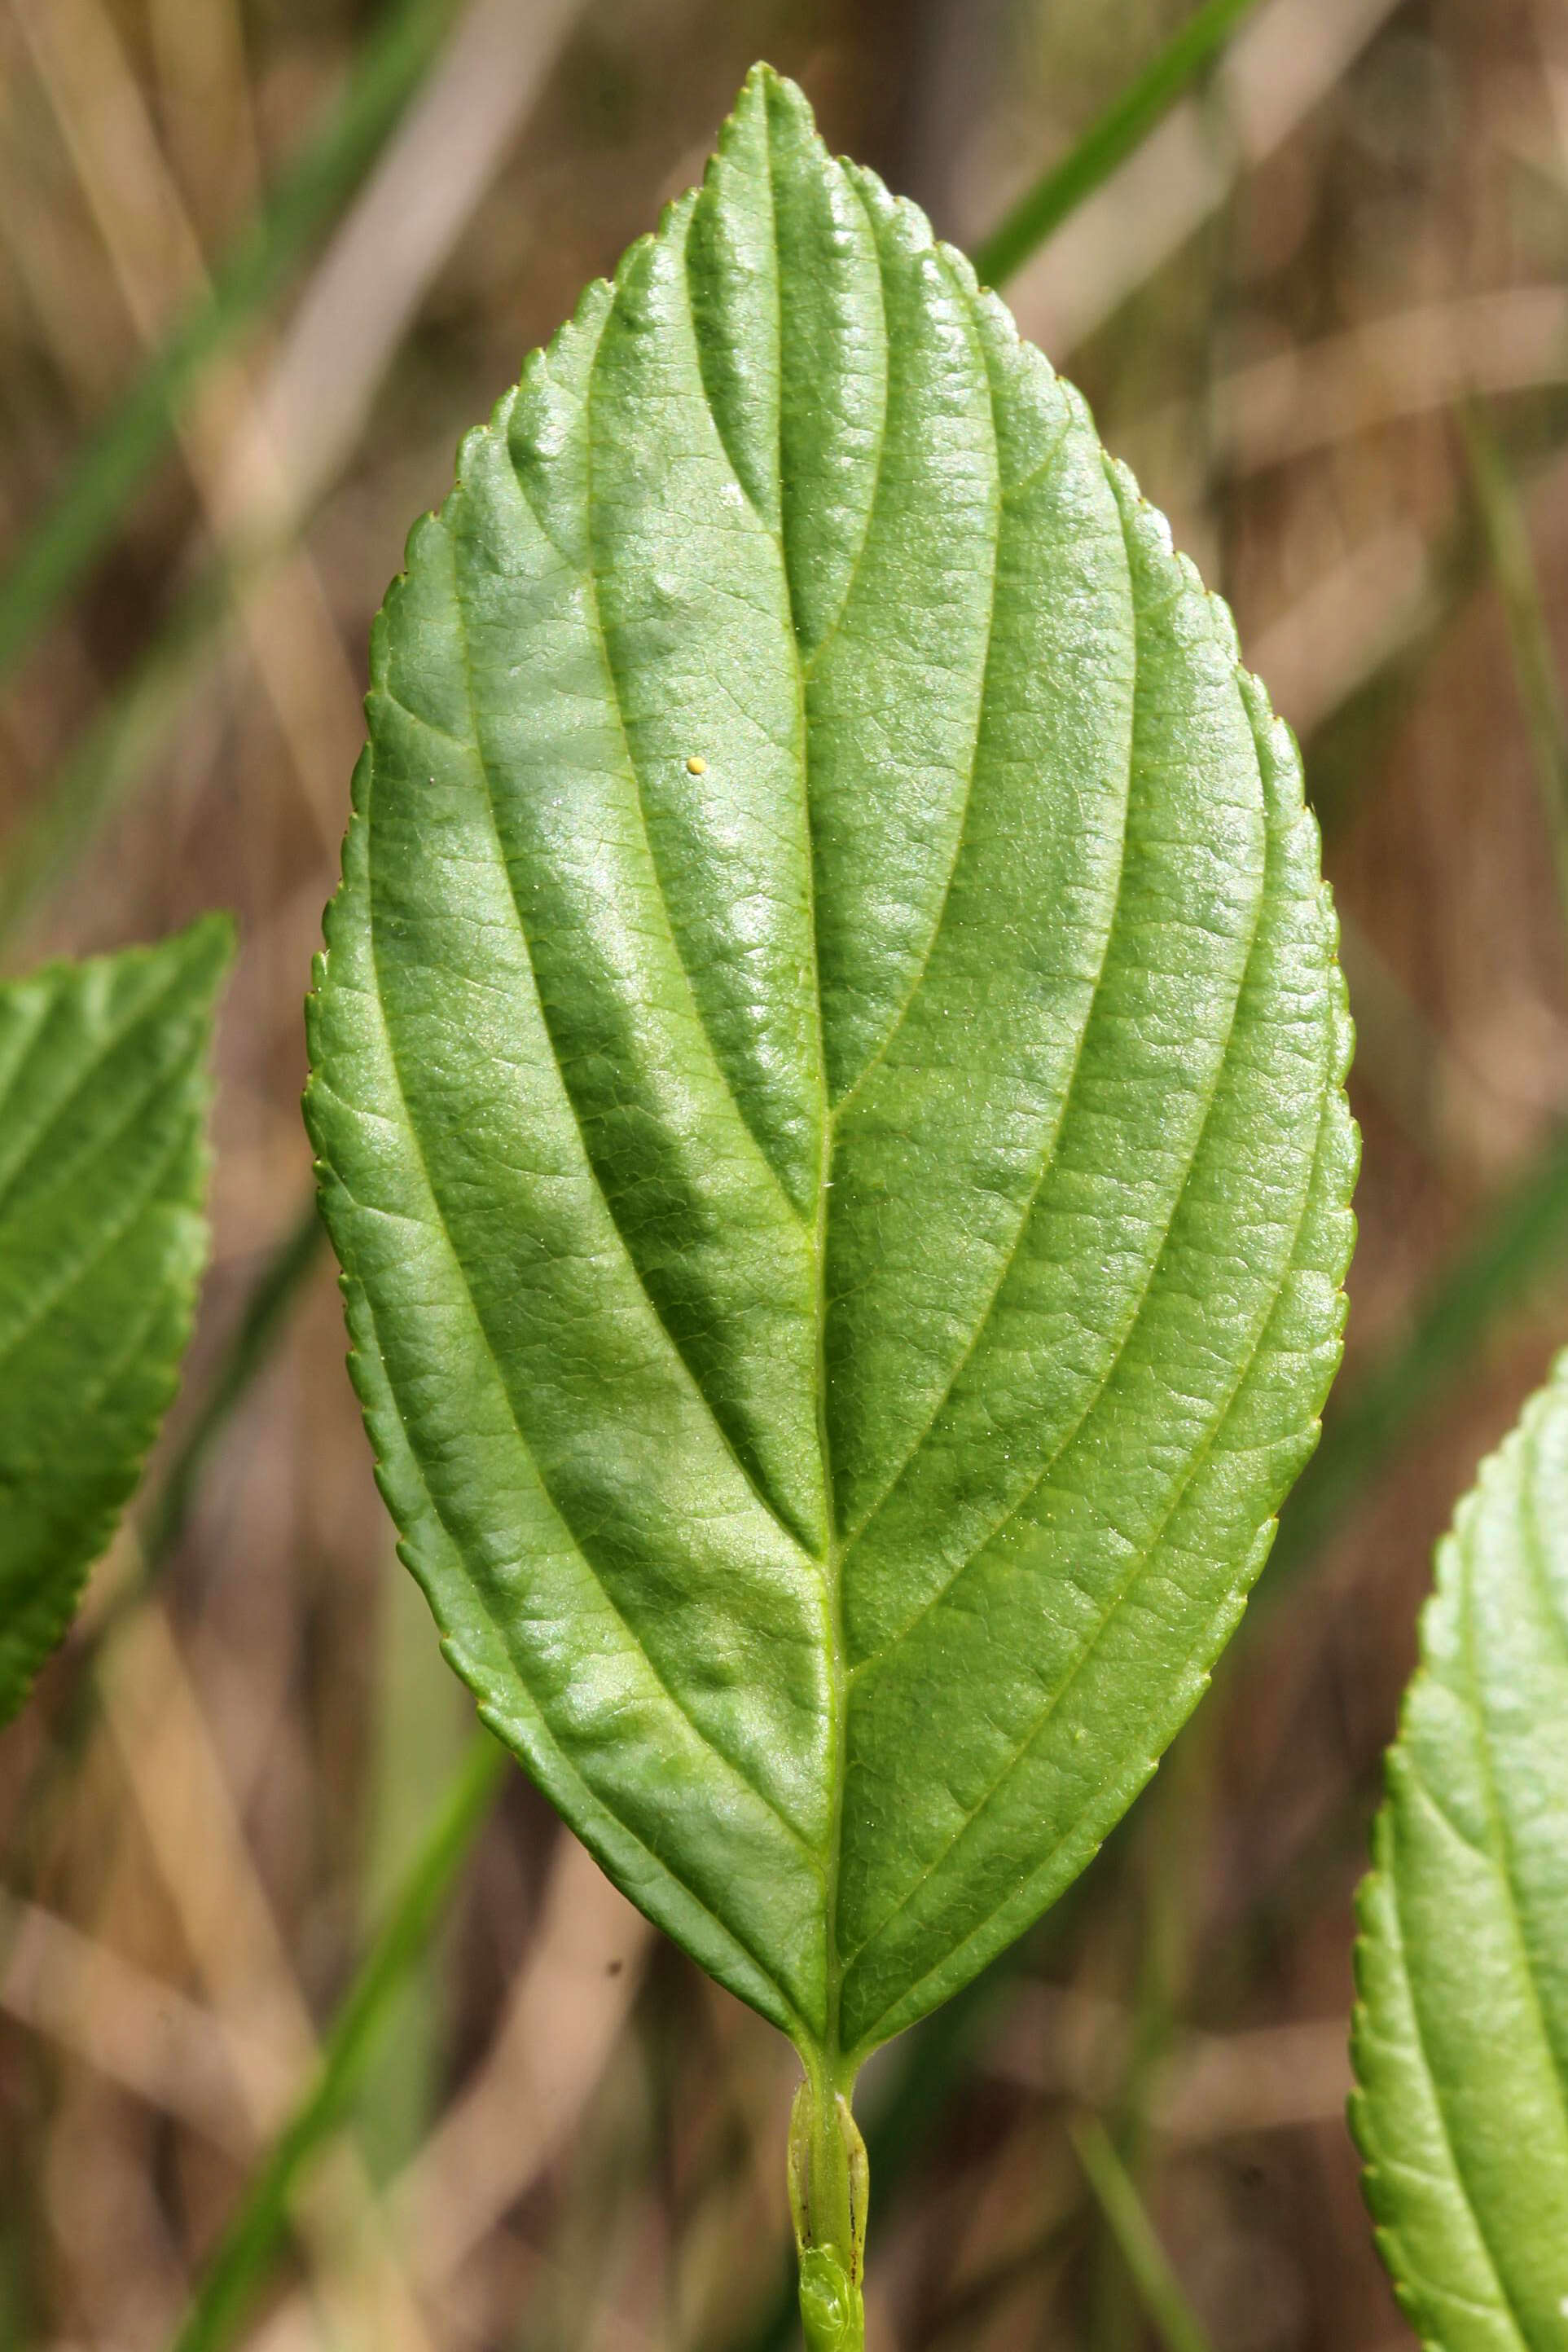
(832, 1564)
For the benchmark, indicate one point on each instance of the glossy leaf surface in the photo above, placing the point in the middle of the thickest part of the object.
(102, 1240)
(1461, 2033)
(827, 1078)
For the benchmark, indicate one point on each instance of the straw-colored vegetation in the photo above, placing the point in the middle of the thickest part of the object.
(259, 266)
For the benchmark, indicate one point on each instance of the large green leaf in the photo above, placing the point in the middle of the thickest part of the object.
(103, 1167)
(826, 1073)
(1461, 2031)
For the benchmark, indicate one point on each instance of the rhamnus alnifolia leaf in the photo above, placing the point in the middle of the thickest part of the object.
(827, 1077)
(1461, 2030)
(102, 1172)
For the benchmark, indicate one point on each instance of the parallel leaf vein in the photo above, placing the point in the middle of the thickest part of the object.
(499, 1707)
(99, 1050)
(1424, 2056)
(409, 1129)
(49, 1302)
(1048, 1162)
(879, 456)
(1504, 1860)
(617, 695)
(912, 992)
(1136, 1566)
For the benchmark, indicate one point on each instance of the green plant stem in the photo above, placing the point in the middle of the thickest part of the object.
(424, 1723)
(1159, 2289)
(829, 2186)
(1506, 534)
(254, 1338)
(120, 743)
(1179, 1807)
(248, 2244)
(115, 461)
(1125, 125)
(927, 2065)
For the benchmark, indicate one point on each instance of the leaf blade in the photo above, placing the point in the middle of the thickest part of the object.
(814, 833)
(102, 1241)
(1461, 2042)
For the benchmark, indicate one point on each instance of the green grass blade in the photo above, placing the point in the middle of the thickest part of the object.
(1125, 125)
(114, 463)
(1159, 2290)
(119, 744)
(248, 2242)
(1506, 534)
(260, 1325)
(1523, 1240)
(423, 1727)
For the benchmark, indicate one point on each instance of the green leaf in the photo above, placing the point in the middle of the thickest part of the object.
(102, 1240)
(1461, 2031)
(826, 1073)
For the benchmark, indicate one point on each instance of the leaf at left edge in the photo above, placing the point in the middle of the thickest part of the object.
(103, 1094)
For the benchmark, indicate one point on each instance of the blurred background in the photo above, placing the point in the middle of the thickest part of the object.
(261, 262)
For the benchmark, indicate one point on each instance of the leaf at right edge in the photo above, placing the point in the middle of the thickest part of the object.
(1461, 2042)
(102, 1241)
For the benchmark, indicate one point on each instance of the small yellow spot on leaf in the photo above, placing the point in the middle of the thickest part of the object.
(696, 765)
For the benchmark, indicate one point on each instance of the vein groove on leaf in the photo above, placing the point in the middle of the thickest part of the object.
(828, 1081)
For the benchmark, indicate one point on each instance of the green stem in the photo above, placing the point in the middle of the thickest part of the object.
(1507, 531)
(1518, 1249)
(829, 2186)
(116, 459)
(1158, 2288)
(260, 1325)
(1125, 125)
(246, 2246)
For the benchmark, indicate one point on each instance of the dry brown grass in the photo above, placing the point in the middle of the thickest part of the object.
(569, 2143)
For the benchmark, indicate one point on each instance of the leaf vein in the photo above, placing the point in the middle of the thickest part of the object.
(876, 1060)
(1503, 1857)
(14, 1340)
(1423, 2054)
(99, 1051)
(809, 661)
(659, 1860)
(1137, 1566)
(1048, 1163)
(410, 1130)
